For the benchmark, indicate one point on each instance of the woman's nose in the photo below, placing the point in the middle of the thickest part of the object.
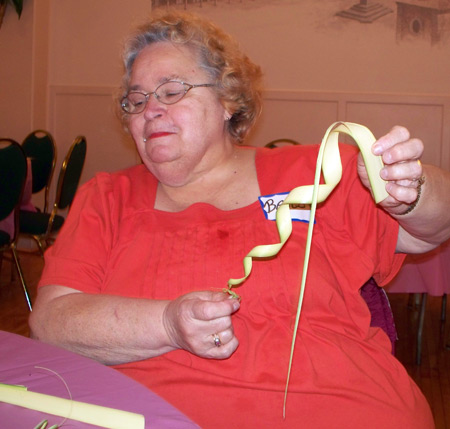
(154, 108)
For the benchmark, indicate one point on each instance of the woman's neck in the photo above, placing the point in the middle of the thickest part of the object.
(230, 185)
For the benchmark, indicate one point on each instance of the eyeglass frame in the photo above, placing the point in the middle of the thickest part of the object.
(154, 93)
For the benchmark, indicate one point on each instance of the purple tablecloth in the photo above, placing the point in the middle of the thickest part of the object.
(87, 380)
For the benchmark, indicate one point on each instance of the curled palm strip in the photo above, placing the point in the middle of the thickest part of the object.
(329, 165)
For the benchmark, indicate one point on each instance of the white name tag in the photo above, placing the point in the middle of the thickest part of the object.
(270, 204)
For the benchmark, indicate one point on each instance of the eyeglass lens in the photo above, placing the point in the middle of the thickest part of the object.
(167, 93)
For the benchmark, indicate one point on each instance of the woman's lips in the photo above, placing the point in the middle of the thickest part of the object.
(159, 134)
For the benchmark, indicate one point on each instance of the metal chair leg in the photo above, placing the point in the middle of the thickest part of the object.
(423, 306)
(444, 316)
(411, 299)
(444, 308)
(22, 279)
(39, 244)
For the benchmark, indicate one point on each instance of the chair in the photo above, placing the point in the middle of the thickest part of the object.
(40, 226)
(13, 173)
(413, 300)
(280, 142)
(40, 148)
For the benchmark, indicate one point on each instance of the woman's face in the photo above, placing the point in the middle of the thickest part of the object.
(181, 141)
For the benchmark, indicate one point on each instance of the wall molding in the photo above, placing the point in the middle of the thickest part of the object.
(427, 115)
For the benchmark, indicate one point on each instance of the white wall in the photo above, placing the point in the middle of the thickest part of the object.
(15, 73)
(64, 68)
(303, 45)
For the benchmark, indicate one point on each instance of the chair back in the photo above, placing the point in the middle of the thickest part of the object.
(13, 174)
(70, 174)
(40, 147)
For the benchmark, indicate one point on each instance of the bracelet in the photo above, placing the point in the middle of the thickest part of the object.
(415, 202)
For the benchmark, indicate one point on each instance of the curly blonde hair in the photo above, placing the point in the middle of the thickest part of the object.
(237, 78)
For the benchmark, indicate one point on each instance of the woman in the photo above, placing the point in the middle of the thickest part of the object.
(135, 277)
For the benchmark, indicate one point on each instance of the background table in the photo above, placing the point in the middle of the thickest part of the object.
(88, 381)
(427, 273)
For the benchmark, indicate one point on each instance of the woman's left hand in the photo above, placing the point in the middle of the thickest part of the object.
(401, 155)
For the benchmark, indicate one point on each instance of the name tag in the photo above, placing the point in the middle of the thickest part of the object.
(270, 204)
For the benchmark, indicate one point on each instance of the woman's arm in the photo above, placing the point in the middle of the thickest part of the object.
(427, 222)
(115, 329)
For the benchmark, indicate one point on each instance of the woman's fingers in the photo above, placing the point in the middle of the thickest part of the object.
(201, 323)
(404, 173)
(402, 167)
(221, 345)
(221, 306)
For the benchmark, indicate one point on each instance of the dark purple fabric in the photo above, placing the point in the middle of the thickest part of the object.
(380, 309)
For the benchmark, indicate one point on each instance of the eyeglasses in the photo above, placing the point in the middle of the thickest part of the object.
(167, 93)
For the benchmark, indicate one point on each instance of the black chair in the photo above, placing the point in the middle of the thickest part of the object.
(41, 226)
(40, 148)
(13, 173)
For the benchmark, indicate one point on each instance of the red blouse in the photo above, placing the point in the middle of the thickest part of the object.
(343, 375)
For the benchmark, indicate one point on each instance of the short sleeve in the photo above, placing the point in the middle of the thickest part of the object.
(79, 256)
(371, 231)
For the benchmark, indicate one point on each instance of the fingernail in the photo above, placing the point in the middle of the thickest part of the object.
(236, 305)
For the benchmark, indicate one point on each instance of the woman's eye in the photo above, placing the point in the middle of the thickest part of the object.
(172, 94)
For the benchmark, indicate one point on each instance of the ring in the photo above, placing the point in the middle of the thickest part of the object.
(217, 341)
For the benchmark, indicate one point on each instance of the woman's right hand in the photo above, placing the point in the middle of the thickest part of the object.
(192, 320)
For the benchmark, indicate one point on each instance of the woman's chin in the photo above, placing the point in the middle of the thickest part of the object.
(161, 154)
(167, 169)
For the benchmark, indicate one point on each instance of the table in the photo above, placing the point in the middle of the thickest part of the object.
(7, 224)
(427, 273)
(88, 381)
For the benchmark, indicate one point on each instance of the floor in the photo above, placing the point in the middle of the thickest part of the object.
(433, 375)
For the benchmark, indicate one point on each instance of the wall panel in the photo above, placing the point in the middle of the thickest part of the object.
(424, 121)
(89, 111)
(298, 118)
(303, 116)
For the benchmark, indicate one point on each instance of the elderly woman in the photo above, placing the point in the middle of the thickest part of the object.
(135, 277)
